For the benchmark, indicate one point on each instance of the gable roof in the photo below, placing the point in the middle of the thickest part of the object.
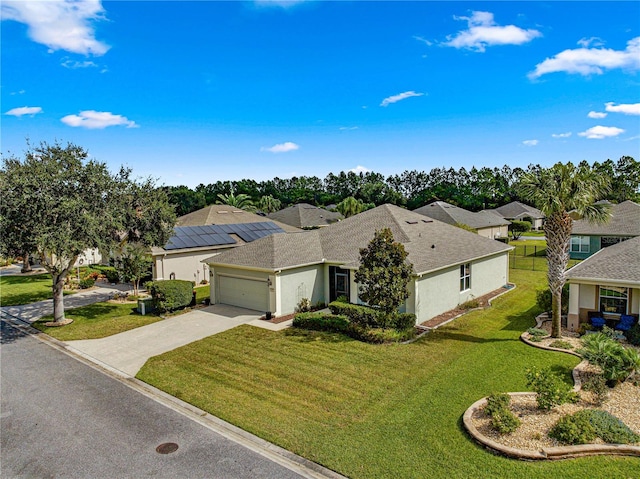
(304, 215)
(516, 210)
(624, 221)
(430, 244)
(451, 214)
(620, 262)
(224, 215)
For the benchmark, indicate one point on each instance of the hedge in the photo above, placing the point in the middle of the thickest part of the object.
(171, 294)
(362, 315)
(321, 322)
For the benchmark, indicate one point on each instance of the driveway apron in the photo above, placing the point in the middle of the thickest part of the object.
(128, 351)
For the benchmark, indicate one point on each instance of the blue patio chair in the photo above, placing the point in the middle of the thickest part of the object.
(626, 322)
(597, 322)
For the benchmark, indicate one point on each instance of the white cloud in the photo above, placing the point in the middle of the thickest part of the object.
(360, 169)
(561, 135)
(401, 96)
(591, 42)
(25, 110)
(348, 128)
(94, 120)
(281, 147)
(278, 3)
(423, 40)
(73, 64)
(530, 142)
(596, 114)
(484, 32)
(587, 61)
(601, 132)
(627, 109)
(59, 24)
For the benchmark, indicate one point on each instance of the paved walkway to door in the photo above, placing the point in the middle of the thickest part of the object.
(127, 352)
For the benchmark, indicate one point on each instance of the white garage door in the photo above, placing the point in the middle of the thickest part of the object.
(245, 293)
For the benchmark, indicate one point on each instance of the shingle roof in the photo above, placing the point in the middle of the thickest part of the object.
(224, 215)
(516, 210)
(430, 244)
(624, 221)
(620, 262)
(304, 215)
(451, 214)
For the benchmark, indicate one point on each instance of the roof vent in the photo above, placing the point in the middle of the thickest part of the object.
(427, 221)
(433, 246)
(222, 212)
(412, 222)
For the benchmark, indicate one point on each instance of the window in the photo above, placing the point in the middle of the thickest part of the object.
(614, 300)
(579, 244)
(465, 276)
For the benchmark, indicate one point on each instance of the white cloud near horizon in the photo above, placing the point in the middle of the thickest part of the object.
(401, 96)
(97, 120)
(586, 61)
(530, 142)
(24, 110)
(360, 169)
(59, 24)
(561, 135)
(278, 3)
(625, 108)
(601, 132)
(348, 128)
(281, 147)
(484, 32)
(597, 114)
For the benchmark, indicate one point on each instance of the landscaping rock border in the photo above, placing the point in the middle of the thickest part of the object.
(560, 452)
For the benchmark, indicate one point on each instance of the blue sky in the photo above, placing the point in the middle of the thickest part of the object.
(196, 92)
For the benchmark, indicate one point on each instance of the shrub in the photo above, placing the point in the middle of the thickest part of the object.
(86, 283)
(496, 402)
(504, 421)
(597, 384)
(110, 273)
(403, 321)
(320, 322)
(574, 429)
(536, 334)
(611, 429)
(583, 328)
(364, 316)
(171, 294)
(544, 299)
(617, 362)
(633, 335)
(471, 304)
(304, 305)
(550, 389)
(560, 344)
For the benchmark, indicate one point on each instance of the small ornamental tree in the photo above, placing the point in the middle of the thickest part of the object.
(384, 274)
(519, 227)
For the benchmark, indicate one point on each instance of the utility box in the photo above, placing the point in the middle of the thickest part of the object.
(145, 306)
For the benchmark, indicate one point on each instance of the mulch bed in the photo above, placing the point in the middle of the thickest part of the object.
(279, 319)
(483, 302)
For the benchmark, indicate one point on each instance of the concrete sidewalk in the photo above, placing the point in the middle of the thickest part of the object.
(125, 353)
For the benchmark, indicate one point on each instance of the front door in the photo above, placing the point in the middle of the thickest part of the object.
(338, 283)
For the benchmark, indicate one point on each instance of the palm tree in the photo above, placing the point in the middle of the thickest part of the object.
(563, 193)
(269, 204)
(240, 201)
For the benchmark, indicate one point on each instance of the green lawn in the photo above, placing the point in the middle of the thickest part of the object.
(371, 411)
(15, 290)
(97, 321)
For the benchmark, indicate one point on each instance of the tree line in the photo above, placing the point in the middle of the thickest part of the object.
(474, 189)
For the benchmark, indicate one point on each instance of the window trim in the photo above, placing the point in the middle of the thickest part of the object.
(624, 298)
(465, 277)
(580, 245)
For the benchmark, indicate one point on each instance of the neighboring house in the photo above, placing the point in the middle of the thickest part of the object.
(305, 216)
(516, 211)
(451, 265)
(89, 256)
(486, 223)
(205, 232)
(608, 282)
(588, 238)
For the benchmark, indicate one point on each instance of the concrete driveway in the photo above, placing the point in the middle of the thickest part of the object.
(125, 353)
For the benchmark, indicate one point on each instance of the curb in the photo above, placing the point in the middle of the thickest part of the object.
(549, 453)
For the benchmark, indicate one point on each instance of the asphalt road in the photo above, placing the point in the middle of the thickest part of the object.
(61, 418)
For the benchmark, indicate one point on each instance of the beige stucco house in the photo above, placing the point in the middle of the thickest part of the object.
(486, 223)
(272, 274)
(516, 211)
(606, 282)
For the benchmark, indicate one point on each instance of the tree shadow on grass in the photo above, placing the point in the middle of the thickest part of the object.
(100, 310)
(452, 335)
(309, 336)
(523, 320)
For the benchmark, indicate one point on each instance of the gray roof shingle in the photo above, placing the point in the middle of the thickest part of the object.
(224, 215)
(304, 215)
(451, 214)
(430, 244)
(620, 262)
(624, 221)
(516, 210)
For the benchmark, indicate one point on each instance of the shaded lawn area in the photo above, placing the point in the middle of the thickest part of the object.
(15, 290)
(371, 411)
(97, 321)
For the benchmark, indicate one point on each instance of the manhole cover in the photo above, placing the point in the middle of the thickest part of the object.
(167, 448)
